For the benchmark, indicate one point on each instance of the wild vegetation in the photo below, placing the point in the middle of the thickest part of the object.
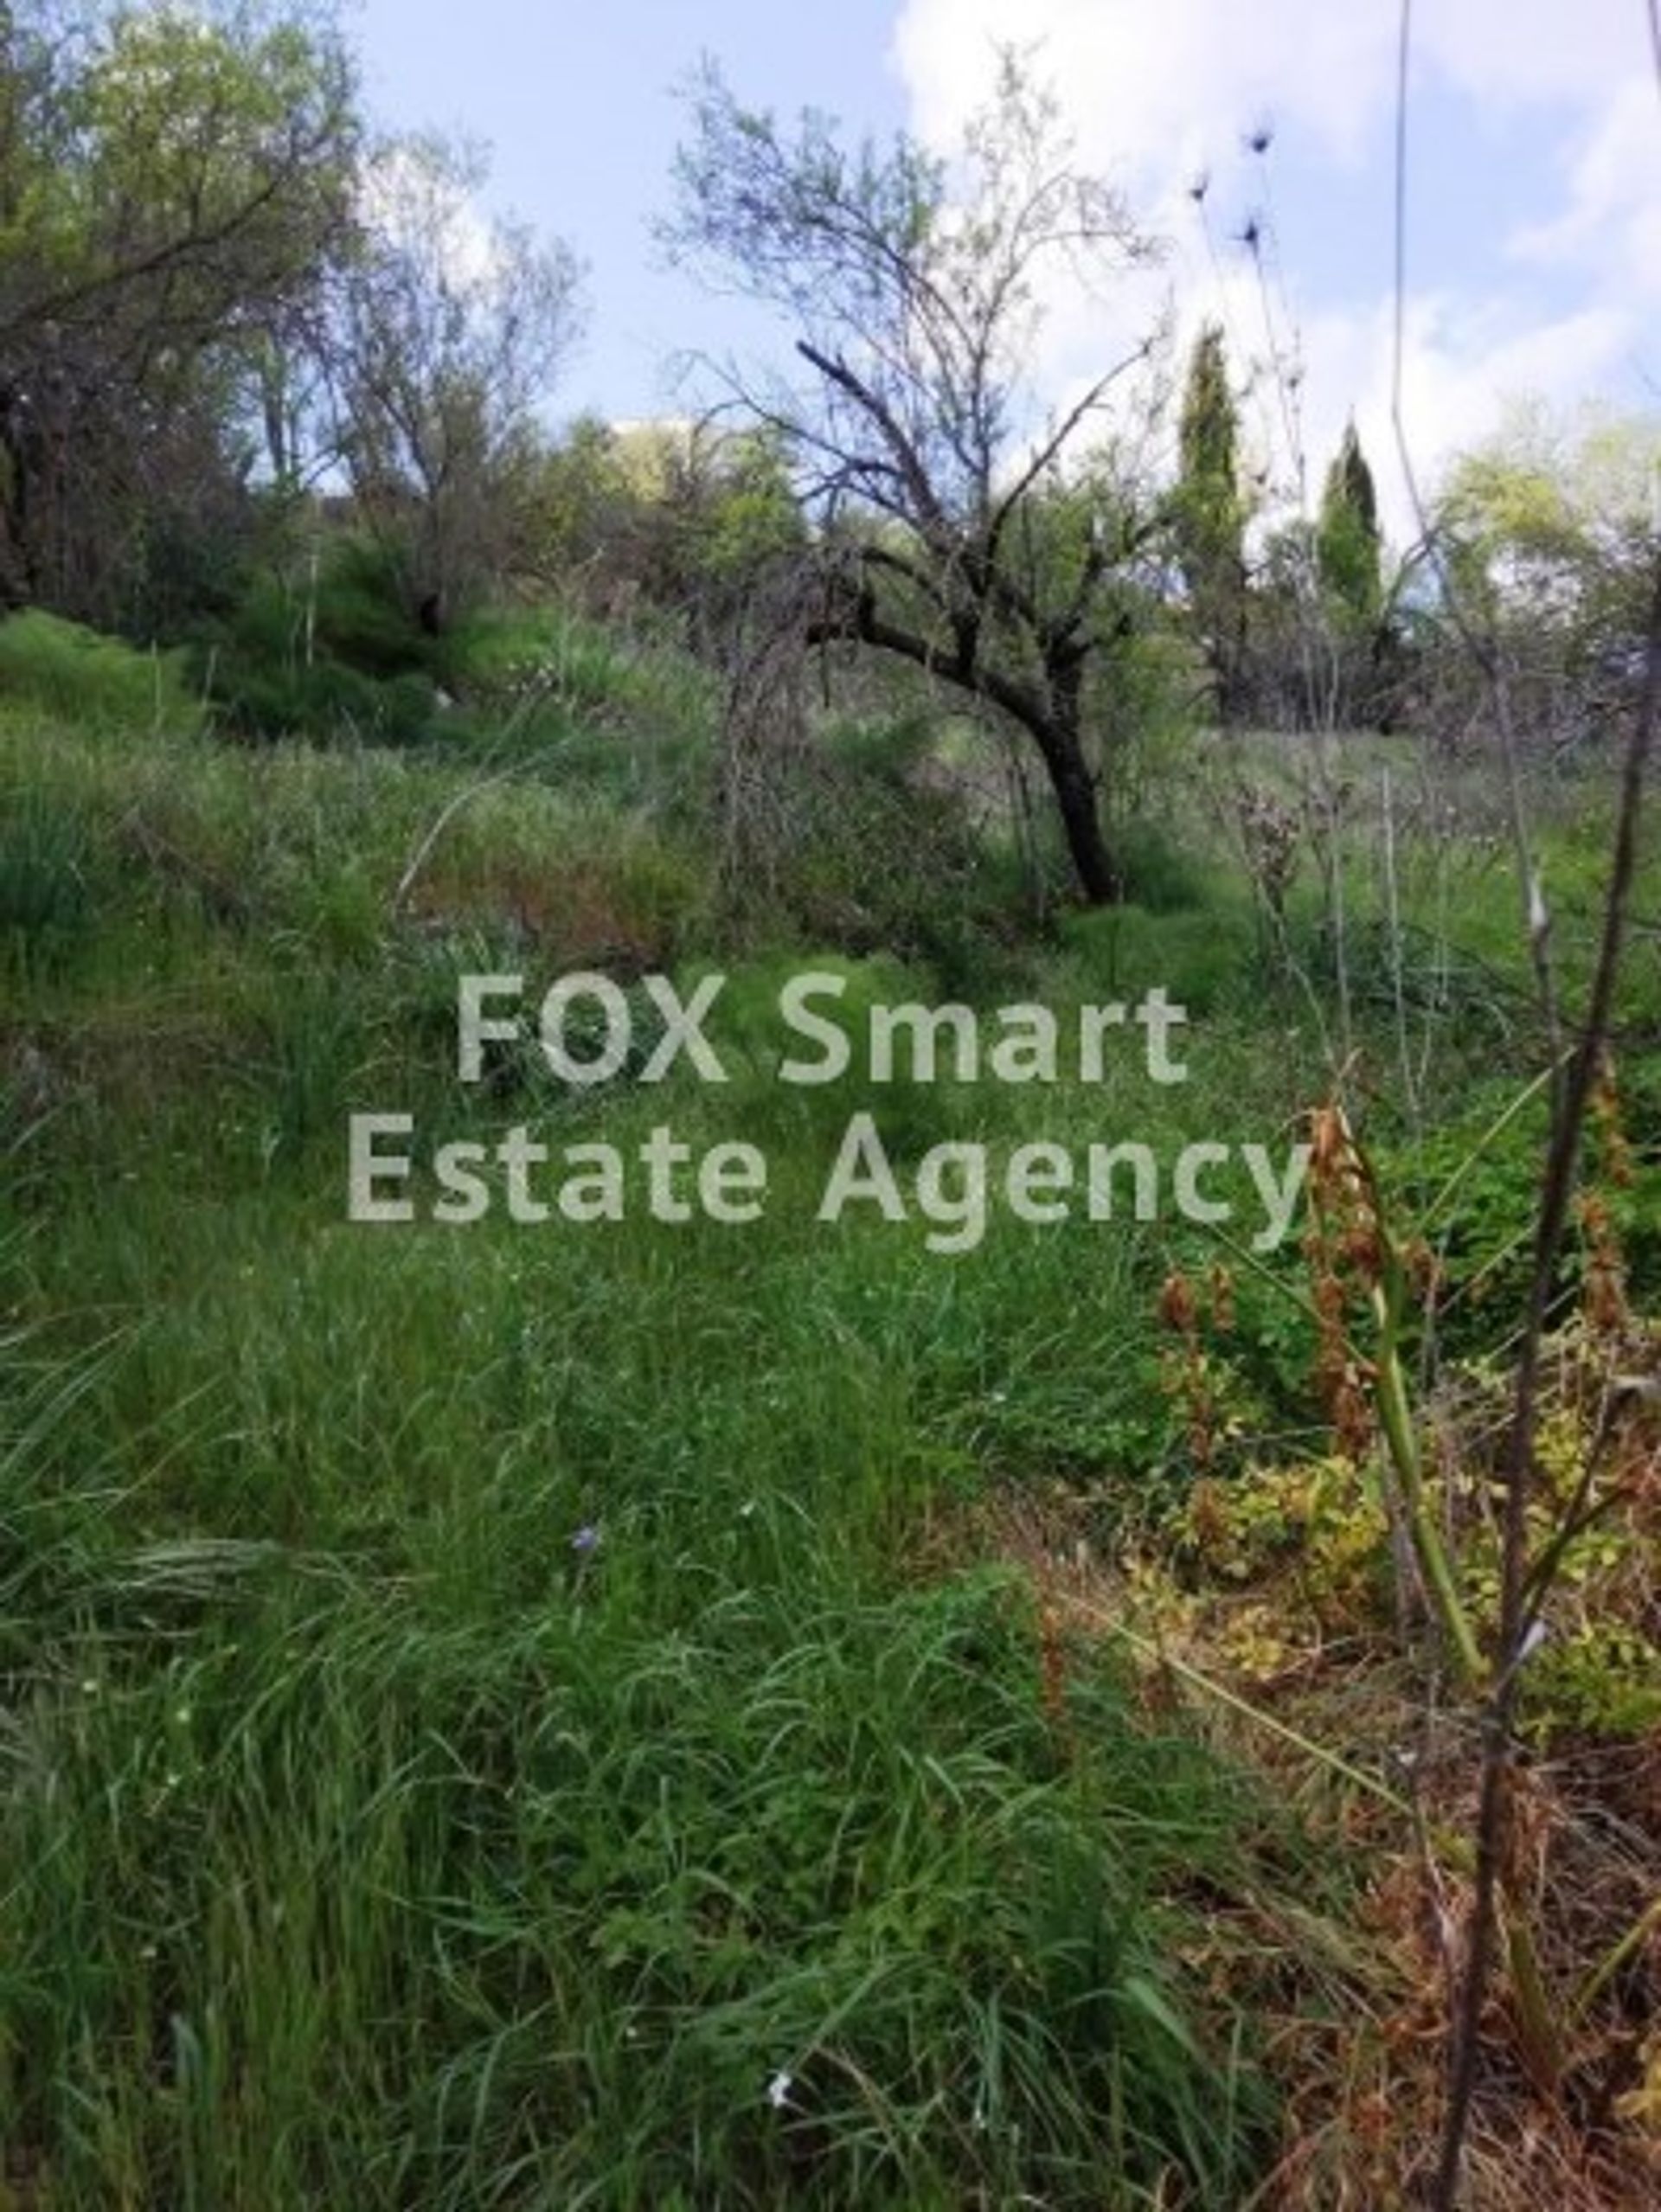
(624, 1713)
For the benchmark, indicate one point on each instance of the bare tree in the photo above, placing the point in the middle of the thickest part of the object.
(450, 333)
(951, 535)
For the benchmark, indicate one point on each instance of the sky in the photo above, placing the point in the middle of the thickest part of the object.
(1534, 209)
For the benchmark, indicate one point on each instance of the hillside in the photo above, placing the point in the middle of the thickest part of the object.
(652, 1711)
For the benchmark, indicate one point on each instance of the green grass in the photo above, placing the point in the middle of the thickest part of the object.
(371, 1840)
(60, 669)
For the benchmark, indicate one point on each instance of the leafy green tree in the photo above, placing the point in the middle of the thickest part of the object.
(1209, 518)
(914, 292)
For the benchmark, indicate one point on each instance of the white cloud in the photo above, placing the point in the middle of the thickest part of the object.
(424, 207)
(1171, 82)
(1613, 221)
(1526, 53)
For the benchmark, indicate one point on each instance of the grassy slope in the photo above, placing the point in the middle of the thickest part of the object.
(371, 1844)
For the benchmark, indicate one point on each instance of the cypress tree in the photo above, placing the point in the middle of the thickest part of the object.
(1347, 545)
(1210, 518)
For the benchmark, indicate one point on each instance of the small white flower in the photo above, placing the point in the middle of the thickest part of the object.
(778, 2091)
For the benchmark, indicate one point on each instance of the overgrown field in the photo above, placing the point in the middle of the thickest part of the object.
(632, 1715)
